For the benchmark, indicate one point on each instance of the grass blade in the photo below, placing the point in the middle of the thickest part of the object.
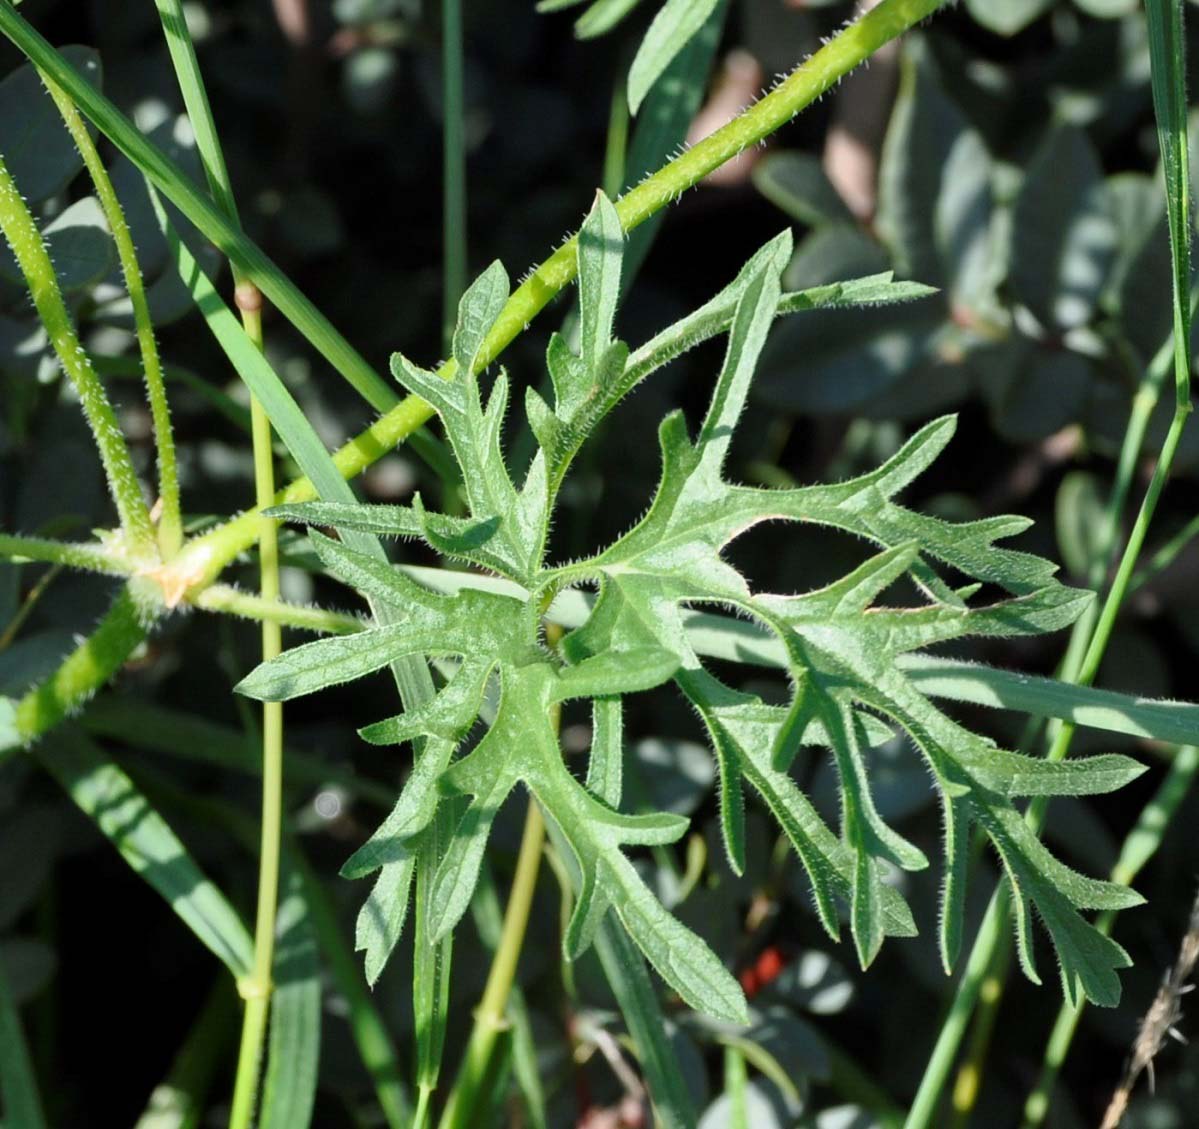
(1167, 56)
(374, 1042)
(18, 1086)
(293, 1047)
(178, 1101)
(629, 979)
(145, 840)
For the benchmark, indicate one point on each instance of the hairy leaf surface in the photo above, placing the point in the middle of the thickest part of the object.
(843, 645)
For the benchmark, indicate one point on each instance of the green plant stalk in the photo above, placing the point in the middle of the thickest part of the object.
(256, 989)
(170, 521)
(1138, 848)
(82, 555)
(970, 1075)
(489, 1016)
(205, 557)
(225, 600)
(34, 260)
(453, 165)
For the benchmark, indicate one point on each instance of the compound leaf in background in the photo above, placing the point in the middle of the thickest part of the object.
(80, 245)
(934, 206)
(796, 183)
(1063, 234)
(1008, 17)
(36, 146)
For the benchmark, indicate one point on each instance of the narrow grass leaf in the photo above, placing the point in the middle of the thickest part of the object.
(293, 1044)
(18, 1084)
(124, 816)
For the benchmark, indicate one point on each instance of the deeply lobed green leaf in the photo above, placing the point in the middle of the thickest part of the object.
(843, 645)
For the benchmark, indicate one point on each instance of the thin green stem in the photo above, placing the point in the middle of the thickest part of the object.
(225, 600)
(170, 522)
(453, 165)
(1138, 848)
(256, 989)
(969, 1079)
(88, 556)
(34, 260)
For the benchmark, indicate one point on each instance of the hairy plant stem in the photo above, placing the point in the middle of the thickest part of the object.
(204, 558)
(453, 166)
(26, 241)
(83, 671)
(82, 555)
(225, 600)
(170, 521)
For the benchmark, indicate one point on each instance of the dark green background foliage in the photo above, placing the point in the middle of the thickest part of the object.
(1017, 174)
